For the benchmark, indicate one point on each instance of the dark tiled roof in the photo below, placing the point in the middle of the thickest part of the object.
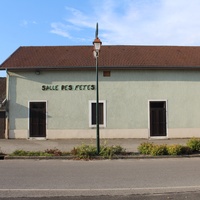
(58, 57)
(2, 89)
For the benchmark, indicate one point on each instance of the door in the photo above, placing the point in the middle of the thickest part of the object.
(2, 124)
(158, 118)
(37, 120)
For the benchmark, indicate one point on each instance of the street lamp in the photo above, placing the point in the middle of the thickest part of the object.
(97, 45)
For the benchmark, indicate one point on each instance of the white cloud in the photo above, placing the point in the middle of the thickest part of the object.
(167, 22)
(60, 29)
(78, 18)
(155, 22)
(26, 23)
(64, 31)
(75, 23)
(177, 23)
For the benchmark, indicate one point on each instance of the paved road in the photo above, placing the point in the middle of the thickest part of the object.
(47, 178)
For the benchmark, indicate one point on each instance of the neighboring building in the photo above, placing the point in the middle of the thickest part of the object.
(2, 107)
(144, 91)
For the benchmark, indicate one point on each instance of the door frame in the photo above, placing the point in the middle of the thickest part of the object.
(36, 101)
(149, 113)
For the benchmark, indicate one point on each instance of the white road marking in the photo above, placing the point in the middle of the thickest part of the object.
(94, 192)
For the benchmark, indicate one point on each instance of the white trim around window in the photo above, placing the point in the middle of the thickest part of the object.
(102, 123)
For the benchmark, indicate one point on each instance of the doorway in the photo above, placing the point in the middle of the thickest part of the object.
(2, 124)
(37, 119)
(158, 122)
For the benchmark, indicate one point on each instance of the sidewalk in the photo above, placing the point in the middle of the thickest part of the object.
(10, 145)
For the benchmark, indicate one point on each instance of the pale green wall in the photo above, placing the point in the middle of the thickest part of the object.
(126, 93)
(133, 89)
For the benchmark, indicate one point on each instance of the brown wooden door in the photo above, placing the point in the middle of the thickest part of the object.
(2, 124)
(158, 119)
(37, 119)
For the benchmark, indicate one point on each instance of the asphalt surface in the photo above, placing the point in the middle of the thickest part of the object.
(58, 178)
(7, 146)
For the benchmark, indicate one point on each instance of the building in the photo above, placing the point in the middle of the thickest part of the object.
(144, 92)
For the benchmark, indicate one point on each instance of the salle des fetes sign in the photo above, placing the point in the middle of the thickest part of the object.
(67, 87)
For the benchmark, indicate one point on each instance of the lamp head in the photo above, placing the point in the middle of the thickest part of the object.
(97, 44)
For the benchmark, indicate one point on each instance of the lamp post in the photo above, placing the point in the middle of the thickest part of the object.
(97, 45)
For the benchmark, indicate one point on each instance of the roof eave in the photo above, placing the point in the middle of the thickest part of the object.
(104, 68)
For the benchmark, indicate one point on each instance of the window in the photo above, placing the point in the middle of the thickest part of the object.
(106, 73)
(92, 113)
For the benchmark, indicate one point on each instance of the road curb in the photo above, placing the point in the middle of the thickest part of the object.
(94, 157)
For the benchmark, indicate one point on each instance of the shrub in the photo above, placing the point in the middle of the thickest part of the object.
(175, 149)
(186, 150)
(87, 151)
(38, 153)
(145, 148)
(84, 151)
(118, 150)
(19, 153)
(158, 150)
(109, 151)
(194, 144)
(54, 152)
(29, 153)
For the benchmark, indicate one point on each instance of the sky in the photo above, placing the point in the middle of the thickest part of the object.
(121, 22)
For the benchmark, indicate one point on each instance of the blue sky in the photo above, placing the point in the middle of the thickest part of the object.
(73, 22)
